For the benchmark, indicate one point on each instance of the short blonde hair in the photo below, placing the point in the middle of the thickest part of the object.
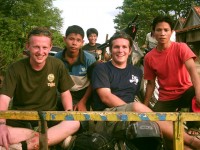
(40, 31)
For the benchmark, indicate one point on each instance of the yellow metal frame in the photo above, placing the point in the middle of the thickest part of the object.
(177, 118)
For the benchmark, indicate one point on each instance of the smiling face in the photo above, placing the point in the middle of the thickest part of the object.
(39, 47)
(120, 52)
(92, 39)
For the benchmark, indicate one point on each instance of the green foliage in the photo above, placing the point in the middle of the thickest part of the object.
(7, 54)
(58, 39)
(17, 18)
(147, 10)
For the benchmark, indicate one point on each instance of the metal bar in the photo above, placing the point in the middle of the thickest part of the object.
(89, 116)
(43, 140)
(178, 133)
(175, 117)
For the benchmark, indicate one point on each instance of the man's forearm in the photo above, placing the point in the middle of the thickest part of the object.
(4, 104)
(108, 98)
(191, 67)
(87, 94)
(112, 101)
(149, 92)
(67, 100)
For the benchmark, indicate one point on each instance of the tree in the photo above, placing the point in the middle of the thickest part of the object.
(17, 18)
(147, 10)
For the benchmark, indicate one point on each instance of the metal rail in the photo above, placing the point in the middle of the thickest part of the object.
(176, 117)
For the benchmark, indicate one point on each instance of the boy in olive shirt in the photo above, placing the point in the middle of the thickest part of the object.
(33, 83)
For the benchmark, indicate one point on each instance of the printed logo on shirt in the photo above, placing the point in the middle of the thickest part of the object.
(134, 80)
(51, 78)
(83, 70)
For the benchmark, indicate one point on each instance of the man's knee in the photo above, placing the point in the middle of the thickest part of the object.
(139, 107)
(74, 125)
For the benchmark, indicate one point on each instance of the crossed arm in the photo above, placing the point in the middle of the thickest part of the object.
(108, 98)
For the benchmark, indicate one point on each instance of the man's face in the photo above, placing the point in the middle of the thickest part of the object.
(120, 52)
(92, 39)
(39, 47)
(163, 32)
(74, 42)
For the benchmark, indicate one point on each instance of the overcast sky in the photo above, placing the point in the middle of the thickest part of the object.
(97, 14)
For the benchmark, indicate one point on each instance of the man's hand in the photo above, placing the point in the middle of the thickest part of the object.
(198, 102)
(4, 136)
(80, 106)
(98, 51)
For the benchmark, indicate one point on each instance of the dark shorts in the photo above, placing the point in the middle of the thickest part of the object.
(28, 123)
(126, 107)
(115, 128)
(76, 96)
(185, 101)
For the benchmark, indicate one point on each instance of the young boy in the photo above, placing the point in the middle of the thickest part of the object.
(172, 63)
(32, 84)
(77, 61)
(92, 35)
(116, 83)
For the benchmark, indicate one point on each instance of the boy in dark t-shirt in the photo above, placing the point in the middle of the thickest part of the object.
(92, 46)
(116, 83)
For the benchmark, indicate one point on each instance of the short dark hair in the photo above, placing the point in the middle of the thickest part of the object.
(118, 35)
(40, 31)
(162, 18)
(91, 31)
(75, 29)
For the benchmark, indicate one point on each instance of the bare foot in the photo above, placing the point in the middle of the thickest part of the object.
(195, 143)
(33, 143)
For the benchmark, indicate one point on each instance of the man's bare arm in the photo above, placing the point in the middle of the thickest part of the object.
(149, 91)
(191, 67)
(66, 98)
(108, 98)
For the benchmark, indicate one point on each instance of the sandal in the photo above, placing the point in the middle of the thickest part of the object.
(194, 132)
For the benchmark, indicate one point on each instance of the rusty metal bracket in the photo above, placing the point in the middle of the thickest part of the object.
(43, 142)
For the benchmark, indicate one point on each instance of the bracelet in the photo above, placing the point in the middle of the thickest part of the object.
(2, 123)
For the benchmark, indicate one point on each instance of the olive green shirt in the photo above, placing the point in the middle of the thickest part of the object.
(36, 90)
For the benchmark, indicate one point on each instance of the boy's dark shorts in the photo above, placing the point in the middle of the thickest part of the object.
(30, 124)
(185, 101)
